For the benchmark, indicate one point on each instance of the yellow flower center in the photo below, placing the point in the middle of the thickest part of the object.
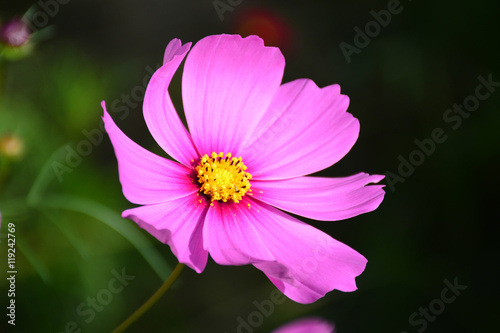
(223, 178)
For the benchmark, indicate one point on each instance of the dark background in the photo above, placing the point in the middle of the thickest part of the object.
(437, 222)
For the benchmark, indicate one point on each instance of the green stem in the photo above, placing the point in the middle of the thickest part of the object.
(152, 300)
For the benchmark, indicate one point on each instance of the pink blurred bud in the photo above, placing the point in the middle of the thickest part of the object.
(14, 32)
(307, 325)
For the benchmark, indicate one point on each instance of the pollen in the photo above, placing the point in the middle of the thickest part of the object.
(223, 177)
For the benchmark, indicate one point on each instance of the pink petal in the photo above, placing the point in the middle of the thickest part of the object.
(178, 223)
(230, 235)
(309, 263)
(326, 199)
(145, 177)
(227, 85)
(159, 112)
(305, 129)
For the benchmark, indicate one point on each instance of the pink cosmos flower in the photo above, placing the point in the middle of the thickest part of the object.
(307, 325)
(251, 140)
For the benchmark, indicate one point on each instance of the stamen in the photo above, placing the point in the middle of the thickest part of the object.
(225, 181)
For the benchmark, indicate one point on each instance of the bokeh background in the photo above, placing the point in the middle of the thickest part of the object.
(438, 224)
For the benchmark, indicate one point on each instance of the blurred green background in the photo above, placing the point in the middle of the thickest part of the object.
(438, 224)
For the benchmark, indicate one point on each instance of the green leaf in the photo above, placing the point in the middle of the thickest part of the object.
(70, 234)
(37, 264)
(114, 221)
(44, 177)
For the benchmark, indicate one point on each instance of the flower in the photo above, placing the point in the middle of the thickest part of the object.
(307, 325)
(251, 141)
(14, 33)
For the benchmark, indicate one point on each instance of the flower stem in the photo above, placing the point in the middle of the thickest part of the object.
(152, 300)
